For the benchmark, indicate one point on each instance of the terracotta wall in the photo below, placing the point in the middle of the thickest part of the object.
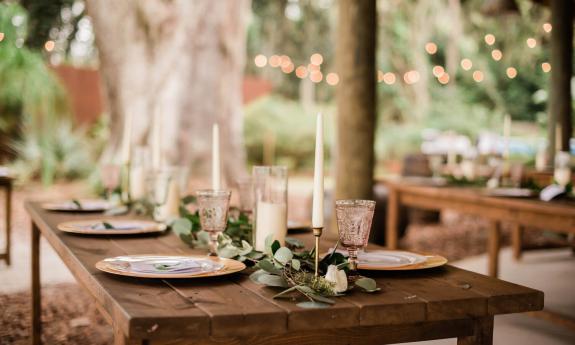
(87, 97)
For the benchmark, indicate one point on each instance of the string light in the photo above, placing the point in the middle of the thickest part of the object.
(478, 76)
(379, 76)
(438, 71)
(546, 67)
(316, 59)
(1, 36)
(49, 46)
(511, 72)
(288, 68)
(431, 48)
(547, 27)
(316, 76)
(466, 64)
(531, 42)
(411, 77)
(444, 78)
(285, 61)
(489, 39)
(496, 54)
(332, 78)
(313, 68)
(389, 78)
(301, 72)
(274, 61)
(260, 60)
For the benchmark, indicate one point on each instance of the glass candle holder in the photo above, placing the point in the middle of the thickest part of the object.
(138, 173)
(354, 219)
(246, 194)
(562, 171)
(213, 207)
(270, 199)
(110, 174)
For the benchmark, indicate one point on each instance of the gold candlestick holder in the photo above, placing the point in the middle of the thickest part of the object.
(317, 233)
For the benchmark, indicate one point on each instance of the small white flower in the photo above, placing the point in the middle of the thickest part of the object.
(338, 277)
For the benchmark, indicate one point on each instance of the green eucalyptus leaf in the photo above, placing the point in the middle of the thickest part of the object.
(272, 280)
(182, 226)
(283, 255)
(188, 199)
(283, 293)
(268, 242)
(367, 284)
(275, 246)
(268, 266)
(203, 237)
(255, 276)
(312, 305)
(294, 243)
(295, 264)
(246, 248)
(255, 255)
(228, 251)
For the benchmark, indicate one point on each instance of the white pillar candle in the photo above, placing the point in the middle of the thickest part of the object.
(318, 190)
(216, 179)
(127, 138)
(271, 219)
(137, 182)
(171, 209)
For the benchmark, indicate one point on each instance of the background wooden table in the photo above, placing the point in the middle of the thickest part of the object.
(440, 303)
(554, 216)
(6, 183)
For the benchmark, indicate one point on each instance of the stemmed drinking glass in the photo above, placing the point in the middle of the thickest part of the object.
(158, 184)
(110, 174)
(354, 224)
(213, 208)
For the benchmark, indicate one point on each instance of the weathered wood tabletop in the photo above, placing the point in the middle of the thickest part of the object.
(445, 302)
(6, 183)
(520, 212)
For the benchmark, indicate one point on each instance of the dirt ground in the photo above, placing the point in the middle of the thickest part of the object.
(70, 318)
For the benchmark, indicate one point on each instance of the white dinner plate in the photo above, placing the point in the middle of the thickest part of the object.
(80, 205)
(112, 227)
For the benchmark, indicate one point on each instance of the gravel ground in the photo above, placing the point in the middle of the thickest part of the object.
(69, 317)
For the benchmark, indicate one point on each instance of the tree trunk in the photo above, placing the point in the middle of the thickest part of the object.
(561, 72)
(182, 60)
(356, 99)
(452, 54)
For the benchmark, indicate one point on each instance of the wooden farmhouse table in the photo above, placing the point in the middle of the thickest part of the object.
(445, 302)
(556, 216)
(6, 183)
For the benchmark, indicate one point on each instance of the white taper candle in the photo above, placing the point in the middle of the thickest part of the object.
(127, 138)
(216, 178)
(318, 193)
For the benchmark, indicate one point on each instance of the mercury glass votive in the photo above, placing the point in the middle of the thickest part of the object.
(354, 219)
(213, 208)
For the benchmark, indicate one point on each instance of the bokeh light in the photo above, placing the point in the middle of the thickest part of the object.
(285, 61)
(531, 42)
(288, 68)
(431, 48)
(438, 71)
(466, 64)
(546, 67)
(260, 60)
(389, 78)
(49, 45)
(490, 39)
(478, 76)
(547, 27)
(496, 54)
(316, 59)
(274, 61)
(332, 78)
(411, 77)
(313, 68)
(301, 72)
(1, 36)
(379, 76)
(511, 72)
(315, 76)
(444, 78)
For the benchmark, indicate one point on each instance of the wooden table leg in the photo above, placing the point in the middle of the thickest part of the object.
(483, 333)
(391, 231)
(493, 248)
(8, 221)
(36, 306)
(516, 240)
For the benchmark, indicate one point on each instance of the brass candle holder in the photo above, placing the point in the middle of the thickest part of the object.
(317, 233)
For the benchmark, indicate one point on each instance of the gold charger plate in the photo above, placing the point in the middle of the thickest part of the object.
(229, 266)
(86, 205)
(430, 262)
(122, 227)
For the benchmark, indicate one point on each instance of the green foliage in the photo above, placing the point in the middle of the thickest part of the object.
(292, 126)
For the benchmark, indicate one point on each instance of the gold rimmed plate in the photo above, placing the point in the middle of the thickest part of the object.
(80, 205)
(112, 227)
(397, 260)
(169, 266)
(510, 192)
